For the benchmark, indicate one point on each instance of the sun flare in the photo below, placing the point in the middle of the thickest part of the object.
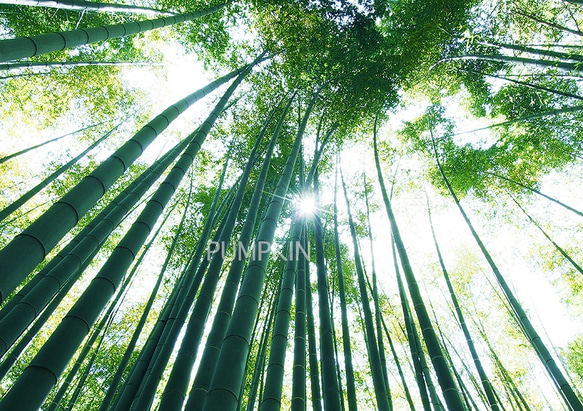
(307, 205)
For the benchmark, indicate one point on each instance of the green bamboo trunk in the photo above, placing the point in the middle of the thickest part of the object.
(44, 143)
(230, 369)
(21, 311)
(565, 389)
(82, 5)
(176, 388)
(298, 400)
(221, 320)
(271, 399)
(445, 378)
(486, 384)
(374, 359)
(49, 179)
(38, 378)
(350, 382)
(19, 257)
(23, 47)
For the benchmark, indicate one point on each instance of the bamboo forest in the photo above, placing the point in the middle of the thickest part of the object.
(304, 204)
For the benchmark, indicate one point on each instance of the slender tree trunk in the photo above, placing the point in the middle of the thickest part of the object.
(460, 317)
(315, 389)
(36, 189)
(569, 396)
(25, 251)
(375, 294)
(52, 140)
(229, 372)
(534, 50)
(399, 368)
(444, 376)
(271, 399)
(350, 382)
(82, 5)
(548, 237)
(549, 23)
(331, 391)
(258, 375)
(38, 378)
(23, 47)
(526, 84)
(529, 117)
(532, 190)
(70, 64)
(382, 396)
(545, 64)
(410, 331)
